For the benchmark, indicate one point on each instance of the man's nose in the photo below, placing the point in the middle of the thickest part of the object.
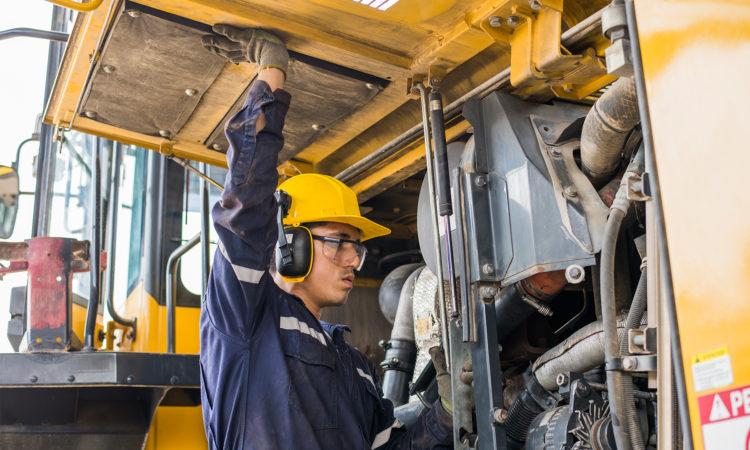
(350, 257)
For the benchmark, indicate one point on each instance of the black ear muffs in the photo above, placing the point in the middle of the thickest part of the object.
(300, 254)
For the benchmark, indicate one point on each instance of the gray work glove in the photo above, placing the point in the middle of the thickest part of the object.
(248, 44)
(445, 389)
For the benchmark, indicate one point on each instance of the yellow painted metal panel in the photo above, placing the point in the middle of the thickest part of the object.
(78, 324)
(174, 427)
(696, 57)
(177, 428)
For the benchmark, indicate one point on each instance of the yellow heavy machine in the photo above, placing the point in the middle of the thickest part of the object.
(558, 177)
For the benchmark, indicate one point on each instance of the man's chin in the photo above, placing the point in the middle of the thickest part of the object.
(340, 300)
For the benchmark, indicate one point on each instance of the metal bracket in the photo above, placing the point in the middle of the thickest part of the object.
(631, 363)
(642, 342)
(637, 190)
(582, 211)
(539, 62)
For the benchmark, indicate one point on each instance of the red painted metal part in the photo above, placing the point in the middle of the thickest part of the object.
(49, 293)
(545, 285)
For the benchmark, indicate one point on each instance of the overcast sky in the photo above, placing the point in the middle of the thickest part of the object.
(23, 67)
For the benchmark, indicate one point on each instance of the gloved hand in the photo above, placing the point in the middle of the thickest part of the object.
(248, 44)
(445, 389)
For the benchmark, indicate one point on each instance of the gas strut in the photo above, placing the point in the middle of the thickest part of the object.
(442, 183)
(433, 218)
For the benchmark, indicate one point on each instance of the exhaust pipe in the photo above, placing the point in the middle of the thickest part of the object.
(606, 128)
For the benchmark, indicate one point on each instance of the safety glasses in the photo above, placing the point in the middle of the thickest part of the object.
(344, 252)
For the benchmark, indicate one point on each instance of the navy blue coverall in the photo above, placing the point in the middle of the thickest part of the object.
(272, 375)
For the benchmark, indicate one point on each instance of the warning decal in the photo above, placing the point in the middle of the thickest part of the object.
(712, 369)
(725, 419)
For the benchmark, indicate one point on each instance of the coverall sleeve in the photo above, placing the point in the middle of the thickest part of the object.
(244, 218)
(433, 429)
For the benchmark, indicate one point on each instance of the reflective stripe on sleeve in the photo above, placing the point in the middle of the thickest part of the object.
(245, 274)
(292, 323)
(366, 377)
(382, 437)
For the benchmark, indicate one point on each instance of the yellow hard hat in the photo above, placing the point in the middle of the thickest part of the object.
(320, 198)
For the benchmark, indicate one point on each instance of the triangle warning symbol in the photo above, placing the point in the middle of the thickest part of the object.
(719, 410)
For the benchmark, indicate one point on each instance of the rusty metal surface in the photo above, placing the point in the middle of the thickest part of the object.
(49, 293)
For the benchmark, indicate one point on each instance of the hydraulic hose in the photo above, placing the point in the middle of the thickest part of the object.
(609, 322)
(635, 314)
(606, 128)
(615, 377)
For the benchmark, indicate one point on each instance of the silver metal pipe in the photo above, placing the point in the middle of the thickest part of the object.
(174, 258)
(433, 209)
(112, 238)
(34, 33)
(89, 339)
(184, 163)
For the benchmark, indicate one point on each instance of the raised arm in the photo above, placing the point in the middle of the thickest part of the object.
(244, 218)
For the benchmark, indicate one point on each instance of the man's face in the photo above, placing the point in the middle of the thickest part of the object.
(330, 279)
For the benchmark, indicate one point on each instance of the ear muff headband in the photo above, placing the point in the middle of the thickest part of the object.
(300, 246)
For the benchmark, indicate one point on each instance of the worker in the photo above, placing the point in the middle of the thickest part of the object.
(273, 374)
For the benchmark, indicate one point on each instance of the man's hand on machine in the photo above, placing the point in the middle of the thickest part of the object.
(248, 44)
(444, 379)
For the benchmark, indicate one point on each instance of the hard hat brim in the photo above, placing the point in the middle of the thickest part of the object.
(368, 228)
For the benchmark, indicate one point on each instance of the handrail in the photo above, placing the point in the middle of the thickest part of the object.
(89, 340)
(80, 7)
(114, 203)
(171, 297)
(34, 33)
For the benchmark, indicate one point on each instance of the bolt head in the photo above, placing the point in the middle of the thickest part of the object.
(488, 291)
(574, 274)
(217, 147)
(316, 126)
(582, 388)
(480, 181)
(496, 22)
(190, 92)
(488, 269)
(174, 379)
(71, 378)
(629, 363)
(370, 85)
(90, 114)
(571, 192)
(512, 21)
(561, 379)
(535, 5)
(164, 133)
(34, 378)
(133, 13)
(130, 379)
(108, 68)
